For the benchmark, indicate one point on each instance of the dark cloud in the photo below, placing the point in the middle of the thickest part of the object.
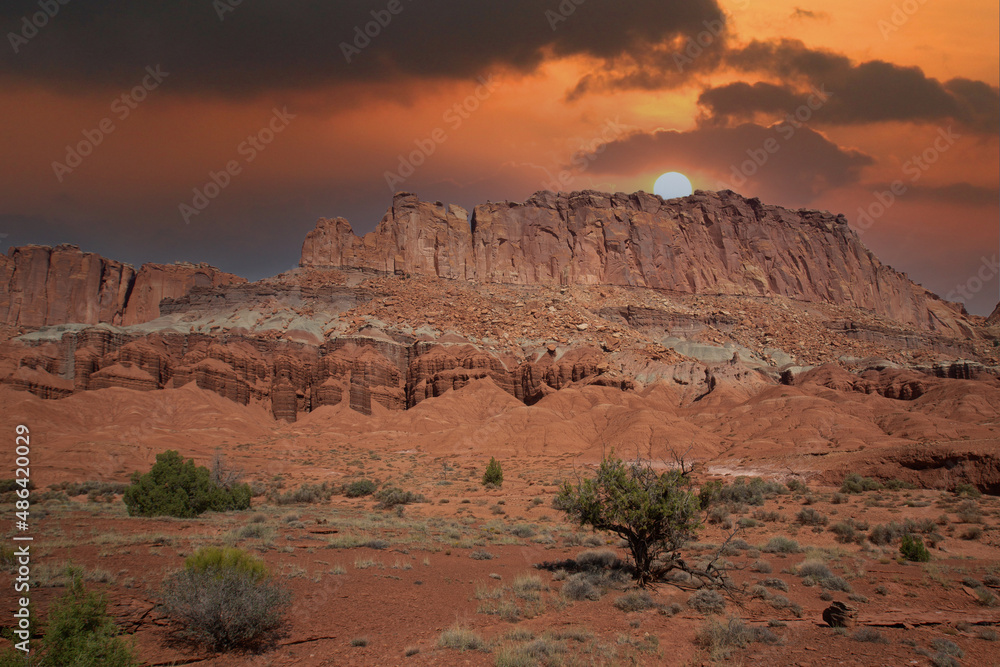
(782, 163)
(869, 92)
(667, 64)
(270, 44)
(808, 14)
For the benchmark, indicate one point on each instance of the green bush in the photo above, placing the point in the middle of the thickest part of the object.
(884, 534)
(747, 490)
(391, 497)
(362, 487)
(174, 487)
(807, 516)
(493, 477)
(78, 632)
(912, 548)
(654, 512)
(224, 599)
(965, 490)
(222, 559)
(781, 545)
(306, 493)
(855, 483)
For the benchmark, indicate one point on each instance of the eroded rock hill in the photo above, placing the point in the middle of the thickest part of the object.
(707, 243)
(41, 286)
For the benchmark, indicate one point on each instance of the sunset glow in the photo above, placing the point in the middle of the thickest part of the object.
(824, 107)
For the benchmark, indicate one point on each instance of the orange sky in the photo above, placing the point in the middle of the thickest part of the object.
(348, 131)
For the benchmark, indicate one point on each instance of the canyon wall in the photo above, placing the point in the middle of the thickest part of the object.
(708, 243)
(42, 286)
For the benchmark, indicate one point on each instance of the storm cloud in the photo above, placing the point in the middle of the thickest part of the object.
(782, 163)
(238, 48)
(868, 92)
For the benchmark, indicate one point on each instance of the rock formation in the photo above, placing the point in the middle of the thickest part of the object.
(712, 243)
(42, 286)
(156, 282)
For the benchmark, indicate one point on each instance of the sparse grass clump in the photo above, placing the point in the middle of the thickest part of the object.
(359, 488)
(580, 587)
(969, 512)
(807, 516)
(870, 635)
(540, 651)
(391, 497)
(462, 639)
(845, 533)
(775, 583)
(743, 490)
(481, 554)
(813, 568)
(637, 601)
(855, 483)
(965, 490)
(306, 493)
(720, 639)
(523, 530)
(947, 647)
(707, 602)
(885, 534)
(781, 545)
(596, 559)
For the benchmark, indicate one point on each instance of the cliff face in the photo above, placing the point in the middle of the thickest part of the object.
(414, 237)
(156, 282)
(42, 286)
(708, 243)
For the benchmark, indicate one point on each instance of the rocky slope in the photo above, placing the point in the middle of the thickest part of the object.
(42, 286)
(708, 243)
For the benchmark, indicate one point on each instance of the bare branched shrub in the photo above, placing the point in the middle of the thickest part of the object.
(226, 603)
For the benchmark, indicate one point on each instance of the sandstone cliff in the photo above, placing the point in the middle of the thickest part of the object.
(708, 243)
(42, 286)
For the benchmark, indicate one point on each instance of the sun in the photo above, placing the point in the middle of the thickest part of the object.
(672, 184)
